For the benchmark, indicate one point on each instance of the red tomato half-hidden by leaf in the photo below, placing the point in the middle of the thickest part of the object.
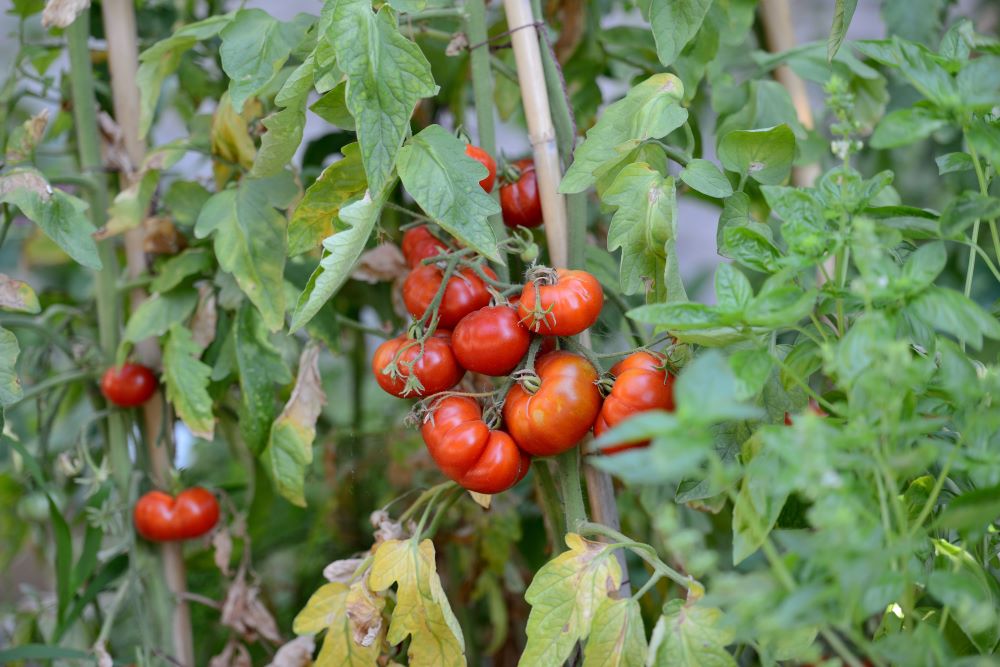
(641, 383)
(484, 158)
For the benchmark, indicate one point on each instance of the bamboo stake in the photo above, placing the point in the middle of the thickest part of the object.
(123, 56)
(541, 133)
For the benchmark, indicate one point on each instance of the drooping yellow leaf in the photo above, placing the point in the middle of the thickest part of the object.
(422, 611)
(327, 610)
(617, 636)
(564, 596)
(316, 214)
(231, 139)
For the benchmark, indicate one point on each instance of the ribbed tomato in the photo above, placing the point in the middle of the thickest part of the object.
(128, 386)
(641, 383)
(467, 451)
(419, 244)
(485, 159)
(464, 293)
(491, 340)
(561, 412)
(160, 517)
(435, 371)
(570, 302)
(519, 199)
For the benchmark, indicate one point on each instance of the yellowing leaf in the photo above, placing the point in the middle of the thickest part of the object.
(17, 295)
(289, 448)
(327, 610)
(22, 141)
(10, 384)
(422, 611)
(617, 637)
(686, 636)
(564, 597)
(231, 139)
(314, 217)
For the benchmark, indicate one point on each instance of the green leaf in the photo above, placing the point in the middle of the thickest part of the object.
(10, 384)
(751, 368)
(677, 316)
(284, 127)
(780, 307)
(159, 313)
(842, 15)
(178, 268)
(743, 239)
(979, 83)
(163, 58)
(925, 73)
(564, 597)
(316, 214)
(687, 635)
(184, 200)
(644, 226)
(250, 239)
(965, 209)
(254, 47)
(617, 636)
(961, 583)
(906, 126)
(706, 178)
(765, 155)
(922, 267)
(985, 138)
(758, 505)
(332, 107)
(387, 75)
(444, 181)
(63, 557)
(341, 252)
(952, 162)
(732, 289)
(289, 448)
(707, 392)
(674, 23)
(60, 215)
(260, 368)
(954, 313)
(972, 511)
(917, 20)
(187, 379)
(422, 611)
(650, 110)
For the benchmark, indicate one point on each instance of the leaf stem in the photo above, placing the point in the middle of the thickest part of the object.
(677, 155)
(358, 326)
(52, 382)
(643, 551)
(423, 499)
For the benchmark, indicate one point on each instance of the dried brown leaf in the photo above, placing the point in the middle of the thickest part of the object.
(364, 611)
(23, 139)
(235, 654)
(244, 611)
(161, 236)
(383, 263)
(484, 500)
(342, 570)
(113, 147)
(102, 655)
(222, 543)
(308, 398)
(206, 316)
(61, 13)
(296, 653)
(26, 178)
(458, 44)
(385, 528)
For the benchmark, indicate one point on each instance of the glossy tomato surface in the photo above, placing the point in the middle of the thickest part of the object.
(491, 340)
(566, 308)
(435, 371)
(128, 386)
(561, 412)
(467, 451)
(485, 159)
(464, 293)
(419, 244)
(519, 200)
(160, 517)
(641, 383)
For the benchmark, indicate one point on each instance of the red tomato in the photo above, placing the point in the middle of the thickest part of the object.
(641, 383)
(559, 414)
(162, 518)
(567, 307)
(484, 158)
(128, 386)
(813, 407)
(519, 200)
(468, 452)
(465, 293)
(435, 371)
(419, 244)
(491, 340)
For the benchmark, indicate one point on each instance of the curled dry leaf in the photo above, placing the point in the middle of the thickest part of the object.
(113, 145)
(342, 570)
(28, 179)
(61, 13)
(244, 611)
(484, 500)
(205, 317)
(385, 528)
(234, 655)
(296, 653)
(17, 295)
(222, 543)
(102, 655)
(308, 398)
(23, 139)
(160, 236)
(458, 44)
(364, 611)
(383, 263)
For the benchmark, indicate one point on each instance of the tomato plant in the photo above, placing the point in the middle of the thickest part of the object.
(767, 281)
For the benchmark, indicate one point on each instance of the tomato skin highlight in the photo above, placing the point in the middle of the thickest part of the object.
(641, 384)
(484, 158)
(519, 200)
(468, 452)
(465, 293)
(128, 386)
(491, 340)
(437, 370)
(562, 411)
(568, 307)
(419, 244)
(159, 517)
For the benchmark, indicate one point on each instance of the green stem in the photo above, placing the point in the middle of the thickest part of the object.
(984, 190)
(482, 93)
(452, 497)
(412, 214)
(85, 116)
(584, 351)
(5, 225)
(549, 498)
(357, 326)
(53, 382)
(676, 154)
(655, 577)
(935, 492)
(423, 499)
(441, 13)
(572, 493)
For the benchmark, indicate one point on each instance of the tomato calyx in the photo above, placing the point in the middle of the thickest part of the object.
(605, 383)
(508, 172)
(528, 379)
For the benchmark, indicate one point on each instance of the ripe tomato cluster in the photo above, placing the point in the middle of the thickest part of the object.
(547, 400)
